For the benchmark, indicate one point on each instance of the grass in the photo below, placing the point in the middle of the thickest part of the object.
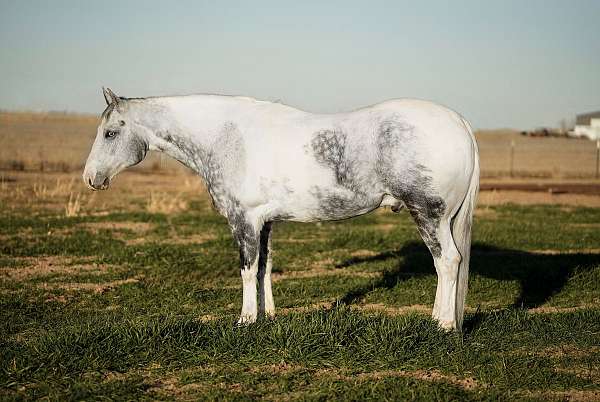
(133, 304)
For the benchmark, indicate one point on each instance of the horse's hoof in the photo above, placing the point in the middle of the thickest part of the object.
(244, 321)
(448, 326)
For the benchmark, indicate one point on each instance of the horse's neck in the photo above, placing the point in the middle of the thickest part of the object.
(182, 127)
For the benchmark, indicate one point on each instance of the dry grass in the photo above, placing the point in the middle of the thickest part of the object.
(490, 198)
(535, 157)
(90, 287)
(165, 203)
(73, 206)
(425, 375)
(40, 267)
(60, 187)
(45, 141)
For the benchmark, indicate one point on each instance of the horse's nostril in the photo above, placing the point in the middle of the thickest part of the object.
(90, 182)
(105, 183)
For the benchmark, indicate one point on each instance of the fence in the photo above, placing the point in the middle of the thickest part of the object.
(517, 156)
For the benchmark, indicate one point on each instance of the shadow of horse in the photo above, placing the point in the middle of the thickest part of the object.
(540, 275)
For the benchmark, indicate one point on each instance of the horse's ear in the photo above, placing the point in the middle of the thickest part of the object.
(109, 96)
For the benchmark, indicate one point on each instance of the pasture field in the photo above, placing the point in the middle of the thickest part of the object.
(133, 293)
(135, 296)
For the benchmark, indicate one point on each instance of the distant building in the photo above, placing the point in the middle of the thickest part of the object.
(588, 125)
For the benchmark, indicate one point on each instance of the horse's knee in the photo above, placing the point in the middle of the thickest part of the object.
(248, 242)
(249, 273)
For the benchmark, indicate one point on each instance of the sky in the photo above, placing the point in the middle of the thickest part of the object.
(502, 63)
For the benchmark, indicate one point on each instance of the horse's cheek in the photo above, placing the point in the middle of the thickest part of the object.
(137, 150)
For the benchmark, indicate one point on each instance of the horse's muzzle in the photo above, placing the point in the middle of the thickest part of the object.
(98, 182)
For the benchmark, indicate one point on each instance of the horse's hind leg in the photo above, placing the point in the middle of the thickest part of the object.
(436, 232)
(447, 265)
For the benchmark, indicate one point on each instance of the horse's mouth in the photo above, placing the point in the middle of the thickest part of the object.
(95, 187)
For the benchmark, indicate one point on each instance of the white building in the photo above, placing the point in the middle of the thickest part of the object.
(588, 125)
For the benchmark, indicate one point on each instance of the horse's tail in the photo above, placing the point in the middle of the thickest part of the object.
(461, 231)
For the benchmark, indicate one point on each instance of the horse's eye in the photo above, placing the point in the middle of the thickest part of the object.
(110, 133)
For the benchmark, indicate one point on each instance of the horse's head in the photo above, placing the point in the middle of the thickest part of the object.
(117, 145)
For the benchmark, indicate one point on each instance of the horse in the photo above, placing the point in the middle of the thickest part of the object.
(265, 162)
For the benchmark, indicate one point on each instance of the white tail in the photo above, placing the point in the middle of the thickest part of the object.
(461, 232)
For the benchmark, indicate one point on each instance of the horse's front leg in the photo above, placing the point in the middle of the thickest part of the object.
(266, 305)
(247, 235)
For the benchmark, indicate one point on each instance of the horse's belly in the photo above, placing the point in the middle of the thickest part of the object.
(326, 203)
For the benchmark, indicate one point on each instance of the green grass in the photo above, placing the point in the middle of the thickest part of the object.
(138, 315)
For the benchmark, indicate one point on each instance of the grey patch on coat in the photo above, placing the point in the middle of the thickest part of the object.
(244, 234)
(335, 204)
(137, 148)
(408, 180)
(229, 152)
(427, 210)
(331, 149)
(220, 164)
(195, 157)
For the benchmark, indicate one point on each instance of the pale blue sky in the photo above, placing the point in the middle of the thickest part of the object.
(500, 63)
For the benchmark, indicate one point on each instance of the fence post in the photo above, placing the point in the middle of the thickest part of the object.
(597, 158)
(512, 157)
